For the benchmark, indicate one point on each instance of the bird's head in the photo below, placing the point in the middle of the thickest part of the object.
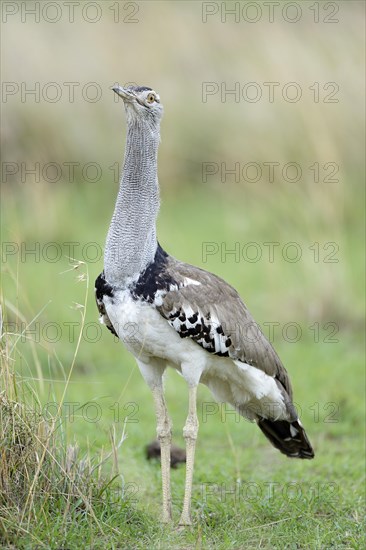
(142, 104)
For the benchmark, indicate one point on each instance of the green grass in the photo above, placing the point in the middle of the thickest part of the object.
(246, 495)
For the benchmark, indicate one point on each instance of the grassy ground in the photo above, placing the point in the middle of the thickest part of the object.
(246, 495)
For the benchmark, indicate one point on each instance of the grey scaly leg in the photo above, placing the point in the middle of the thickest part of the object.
(164, 434)
(190, 431)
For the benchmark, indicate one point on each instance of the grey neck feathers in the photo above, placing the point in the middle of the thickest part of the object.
(131, 240)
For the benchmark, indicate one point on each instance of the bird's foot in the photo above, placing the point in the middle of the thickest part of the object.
(185, 520)
(166, 516)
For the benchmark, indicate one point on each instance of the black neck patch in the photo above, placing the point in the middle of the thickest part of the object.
(102, 288)
(154, 278)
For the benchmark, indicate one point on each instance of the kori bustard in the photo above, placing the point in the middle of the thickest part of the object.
(183, 316)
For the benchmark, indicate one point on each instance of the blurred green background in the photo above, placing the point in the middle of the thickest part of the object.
(171, 49)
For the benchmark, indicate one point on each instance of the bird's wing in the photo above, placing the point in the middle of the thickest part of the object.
(205, 308)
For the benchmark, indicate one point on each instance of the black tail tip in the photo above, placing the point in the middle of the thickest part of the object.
(288, 437)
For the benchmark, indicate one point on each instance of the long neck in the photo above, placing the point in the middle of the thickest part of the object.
(131, 240)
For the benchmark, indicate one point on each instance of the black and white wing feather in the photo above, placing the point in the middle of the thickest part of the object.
(205, 308)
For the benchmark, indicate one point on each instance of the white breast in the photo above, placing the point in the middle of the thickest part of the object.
(147, 334)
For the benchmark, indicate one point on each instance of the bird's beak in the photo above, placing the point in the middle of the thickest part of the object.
(124, 93)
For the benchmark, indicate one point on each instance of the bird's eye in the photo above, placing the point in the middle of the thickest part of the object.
(150, 98)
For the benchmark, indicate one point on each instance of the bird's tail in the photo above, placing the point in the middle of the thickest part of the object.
(288, 437)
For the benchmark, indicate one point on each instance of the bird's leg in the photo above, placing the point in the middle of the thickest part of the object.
(190, 431)
(164, 434)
